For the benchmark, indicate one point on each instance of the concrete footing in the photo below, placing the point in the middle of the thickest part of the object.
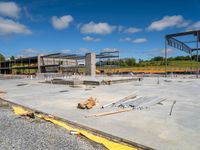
(92, 82)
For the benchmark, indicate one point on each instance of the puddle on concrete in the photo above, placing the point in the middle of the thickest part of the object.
(88, 89)
(76, 86)
(63, 91)
(23, 84)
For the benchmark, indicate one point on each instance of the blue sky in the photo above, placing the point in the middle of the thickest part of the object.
(135, 27)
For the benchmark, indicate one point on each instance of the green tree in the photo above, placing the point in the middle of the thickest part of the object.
(2, 58)
(12, 58)
(157, 58)
(182, 58)
(131, 62)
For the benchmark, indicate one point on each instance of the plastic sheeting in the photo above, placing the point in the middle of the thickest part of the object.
(107, 143)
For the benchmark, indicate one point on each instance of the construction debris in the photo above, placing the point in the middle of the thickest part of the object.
(170, 113)
(29, 115)
(141, 102)
(128, 104)
(109, 113)
(120, 101)
(2, 92)
(88, 104)
(106, 82)
(46, 116)
(74, 132)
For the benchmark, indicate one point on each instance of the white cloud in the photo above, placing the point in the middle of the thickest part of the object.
(29, 52)
(194, 26)
(8, 26)
(9, 9)
(32, 52)
(127, 39)
(66, 51)
(139, 40)
(62, 22)
(89, 38)
(120, 28)
(97, 28)
(76, 51)
(82, 50)
(157, 52)
(169, 50)
(109, 50)
(133, 30)
(167, 22)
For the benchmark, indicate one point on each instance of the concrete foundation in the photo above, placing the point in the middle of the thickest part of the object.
(152, 127)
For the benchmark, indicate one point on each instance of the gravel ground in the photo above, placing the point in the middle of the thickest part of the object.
(18, 133)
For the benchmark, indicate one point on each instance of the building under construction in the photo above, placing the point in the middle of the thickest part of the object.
(56, 63)
(190, 46)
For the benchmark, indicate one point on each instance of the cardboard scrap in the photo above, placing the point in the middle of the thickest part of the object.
(88, 104)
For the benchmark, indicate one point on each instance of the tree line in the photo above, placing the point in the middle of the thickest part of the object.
(2, 57)
(130, 62)
(158, 60)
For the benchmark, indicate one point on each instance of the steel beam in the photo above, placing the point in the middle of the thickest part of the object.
(183, 34)
(178, 45)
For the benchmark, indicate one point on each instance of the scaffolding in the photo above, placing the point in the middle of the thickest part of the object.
(171, 40)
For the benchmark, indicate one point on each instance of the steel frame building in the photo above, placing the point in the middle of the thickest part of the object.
(55, 62)
(171, 40)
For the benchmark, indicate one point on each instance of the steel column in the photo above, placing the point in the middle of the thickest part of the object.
(197, 63)
(165, 57)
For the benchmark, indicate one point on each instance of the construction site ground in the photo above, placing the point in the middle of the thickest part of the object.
(153, 127)
(20, 133)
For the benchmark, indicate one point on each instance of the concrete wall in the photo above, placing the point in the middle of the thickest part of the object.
(90, 64)
(54, 61)
(58, 61)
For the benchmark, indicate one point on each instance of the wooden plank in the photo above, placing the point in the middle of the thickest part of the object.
(109, 112)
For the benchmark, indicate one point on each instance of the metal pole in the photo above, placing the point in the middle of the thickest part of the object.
(5, 67)
(165, 57)
(29, 66)
(197, 63)
(170, 113)
(15, 66)
(191, 63)
(118, 61)
(0, 66)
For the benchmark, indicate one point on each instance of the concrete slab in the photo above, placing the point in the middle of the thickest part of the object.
(152, 127)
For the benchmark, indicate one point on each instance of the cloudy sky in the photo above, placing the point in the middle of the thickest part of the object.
(135, 27)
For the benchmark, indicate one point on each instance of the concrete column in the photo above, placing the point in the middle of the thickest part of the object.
(39, 64)
(90, 64)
